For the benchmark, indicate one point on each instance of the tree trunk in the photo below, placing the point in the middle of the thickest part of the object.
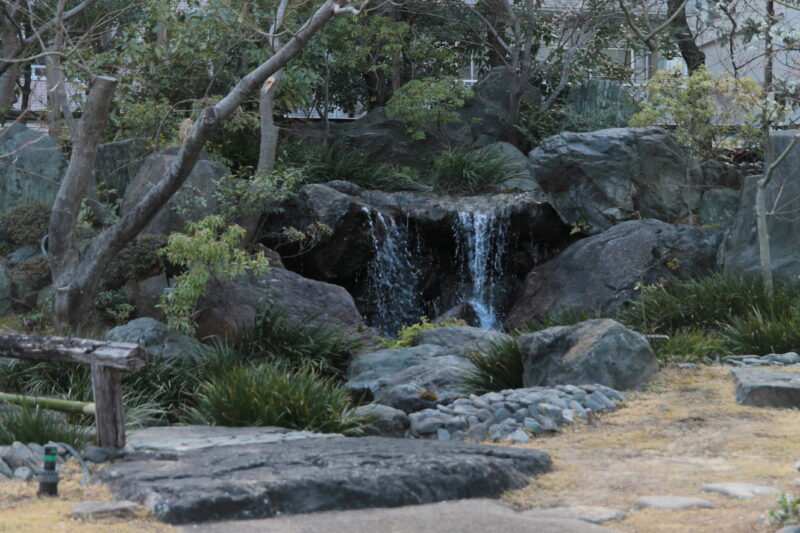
(9, 19)
(269, 131)
(691, 53)
(763, 237)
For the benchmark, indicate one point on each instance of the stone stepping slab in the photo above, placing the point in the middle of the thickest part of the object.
(305, 476)
(587, 513)
(744, 491)
(767, 388)
(673, 503)
(105, 509)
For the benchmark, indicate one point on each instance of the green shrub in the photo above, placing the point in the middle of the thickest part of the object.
(408, 334)
(425, 105)
(277, 337)
(114, 307)
(33, 273)
(759, 333)
(268, 395)
(497, 368)
(28, 424)
(139, 259)
(26, 224)
(691, 346)
(786, 511)
(472, 171)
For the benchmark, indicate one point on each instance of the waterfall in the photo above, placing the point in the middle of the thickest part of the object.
(393, 278)
(481, 240)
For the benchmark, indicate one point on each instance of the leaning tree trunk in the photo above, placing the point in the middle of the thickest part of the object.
(269, 131)
(691, 53)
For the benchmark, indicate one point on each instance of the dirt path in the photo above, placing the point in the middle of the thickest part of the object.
(684, 430)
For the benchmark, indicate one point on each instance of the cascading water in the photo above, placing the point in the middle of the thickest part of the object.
(393, 278)
(481, 241)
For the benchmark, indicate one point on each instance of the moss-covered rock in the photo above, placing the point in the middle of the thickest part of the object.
(138, 260)
(33, 273)
(25, 225)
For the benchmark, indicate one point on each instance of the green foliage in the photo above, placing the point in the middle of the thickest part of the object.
(762, 333)
(568, 316)
(691, 346)
(269, 395)
(27, 424)
(706, 111)
(208, 250)
(139, 259)
(497, 368)
(472, 171)
(245, 194)
(277, 338)
(786, 511)
(408, 334)
(25, 225)
(425, 102)
(339, 162)
(34, 273)
(114, 307)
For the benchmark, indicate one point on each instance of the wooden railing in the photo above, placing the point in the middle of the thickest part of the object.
(107, 359)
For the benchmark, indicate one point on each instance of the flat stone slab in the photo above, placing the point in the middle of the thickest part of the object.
(185, 438)
(101, 509)
(309, 475)
(587, 513)
(744, 491)
(767, 388)
(673, 503)
(473, 516)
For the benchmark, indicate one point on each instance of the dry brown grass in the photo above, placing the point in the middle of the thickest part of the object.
(684, 430)
(22, 511)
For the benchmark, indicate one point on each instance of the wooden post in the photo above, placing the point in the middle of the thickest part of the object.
(110, 417)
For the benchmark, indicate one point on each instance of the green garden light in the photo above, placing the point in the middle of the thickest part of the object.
(48, 478)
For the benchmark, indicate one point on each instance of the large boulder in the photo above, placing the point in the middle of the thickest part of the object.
(596, 351)
(767, 388)
(229, 307)
(596, 104)
(118, 164)
(194, 201)
(739, 253)
(602, 272)
(718, 207)
(30, 169)
(421, 376)
(157, 340)
(601, 178)
(517, 160)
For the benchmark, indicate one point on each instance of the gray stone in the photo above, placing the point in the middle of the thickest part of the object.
(32, 170)
(743, 491)
(24, 473)
(739, 253)
(456, 423)
(596, 104)
(478, 432)
(790, 358)
(718, 207)
(157, 340)
(443, 434)
(484, 415)
(596, 351)
(602, 178)
(548, 424)
(550, 410)
(102, 454)
(223, 482)
(5, 470)
(593, 514)
(426, 422)
(602, 272)
(464, 311)
(460, 340)
(384, 421)
(501, 414)
(532, 425)
(789, 529)
(464, 516)
(118, 163)
(18, 455)
(105, 509)
(673, 503)
(767, 388)
(519, 437)
(178, 439)
(194, 201)
(20, 255)
(517, 160)
(598, 398)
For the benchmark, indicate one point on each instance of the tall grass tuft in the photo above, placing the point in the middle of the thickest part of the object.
(268, 395)
(759, 333)
(472, 171)
(690, 346)
(29, 424)
(497, 368)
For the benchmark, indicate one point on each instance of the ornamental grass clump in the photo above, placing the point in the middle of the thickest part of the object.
(472, 171)
(31, 424)
(496, 368)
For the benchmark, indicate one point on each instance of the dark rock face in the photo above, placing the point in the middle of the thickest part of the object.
(718, 207)
(767, 388)
(192, 202)
(157, 341)
(602, 271)
(596, 351)
(33, 174)
(6, 299)
(597, 104)
(317, 475)
(608, 176)
(426, 230)
(230, 307)
(481, 122)
(739, 252)
(118, 163)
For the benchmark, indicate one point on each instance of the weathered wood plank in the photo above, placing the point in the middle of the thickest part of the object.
(121, 355)
(110, 416)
